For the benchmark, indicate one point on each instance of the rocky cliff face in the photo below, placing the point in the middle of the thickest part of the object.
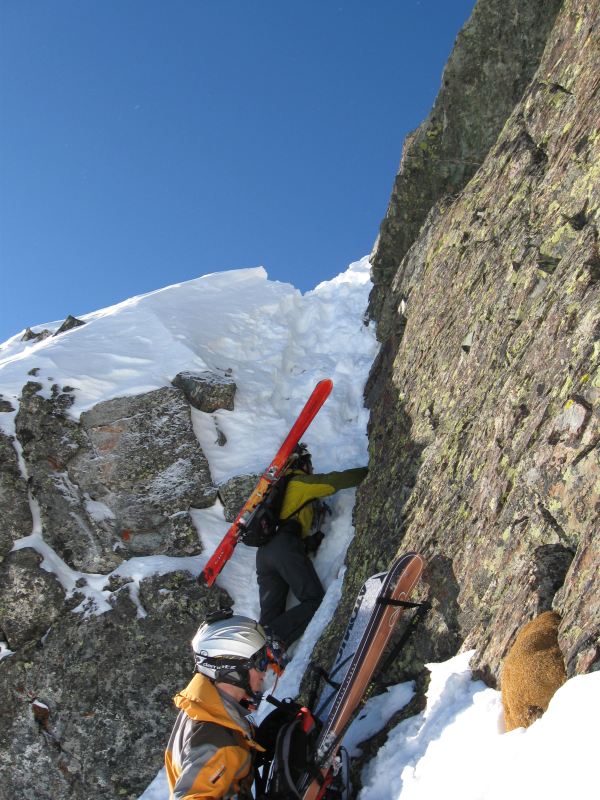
(97, 656)
(485, 397)
(495, 57)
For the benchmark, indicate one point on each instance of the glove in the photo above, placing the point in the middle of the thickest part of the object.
(311, 543)
(276, 652)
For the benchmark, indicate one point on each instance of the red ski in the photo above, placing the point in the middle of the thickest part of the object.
(270, 476)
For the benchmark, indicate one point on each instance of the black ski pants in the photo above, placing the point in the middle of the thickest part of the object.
(281, 565)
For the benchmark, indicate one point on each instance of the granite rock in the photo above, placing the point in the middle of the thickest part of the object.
(88, 711)
(145, 465)
(484, 432)
(31, 598)
(16, 515)
(207, 391)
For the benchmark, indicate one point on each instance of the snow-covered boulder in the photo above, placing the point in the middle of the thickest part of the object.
(50, 440)
(207, 391)
(144, 467)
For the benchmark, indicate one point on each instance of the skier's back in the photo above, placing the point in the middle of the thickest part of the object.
(283, 564)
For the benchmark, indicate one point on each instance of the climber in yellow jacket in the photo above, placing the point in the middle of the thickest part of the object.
(212, 746)
(284, 563)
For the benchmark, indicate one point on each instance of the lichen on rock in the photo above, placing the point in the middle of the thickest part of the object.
(485, 426)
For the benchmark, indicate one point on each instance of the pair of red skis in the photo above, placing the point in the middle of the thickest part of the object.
(276, 469)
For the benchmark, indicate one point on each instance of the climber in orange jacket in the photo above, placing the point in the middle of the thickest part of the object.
(212, 746)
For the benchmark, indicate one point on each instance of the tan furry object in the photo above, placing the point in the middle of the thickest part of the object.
(532, 671)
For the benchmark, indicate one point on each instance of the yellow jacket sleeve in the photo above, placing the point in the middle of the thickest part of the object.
(302, 489)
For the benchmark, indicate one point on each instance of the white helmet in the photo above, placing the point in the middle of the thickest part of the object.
(227, 647)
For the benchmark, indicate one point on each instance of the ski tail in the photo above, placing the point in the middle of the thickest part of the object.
(359, 619)
(274, 471)
(392, 600)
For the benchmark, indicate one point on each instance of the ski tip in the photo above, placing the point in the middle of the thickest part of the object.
(411, 555)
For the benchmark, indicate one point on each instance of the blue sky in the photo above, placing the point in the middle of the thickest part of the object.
(144, 143)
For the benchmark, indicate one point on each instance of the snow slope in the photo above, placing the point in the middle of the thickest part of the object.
(278, 343)
(275, 342)
(457, 749)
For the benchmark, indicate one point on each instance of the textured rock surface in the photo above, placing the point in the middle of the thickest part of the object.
(30, 598)
(207, 391)
(234, 493)
(495, 56)
(107, 682)
(146, 466)
(87, 698)
(485, 429)
(50, 441)
(125, 479)
(16, 516)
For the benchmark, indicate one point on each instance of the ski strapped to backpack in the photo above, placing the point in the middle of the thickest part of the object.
(319, 747)
(261, 525)
(249, 517)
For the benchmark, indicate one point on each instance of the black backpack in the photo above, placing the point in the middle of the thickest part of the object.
(264, 521)
(289, 735)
